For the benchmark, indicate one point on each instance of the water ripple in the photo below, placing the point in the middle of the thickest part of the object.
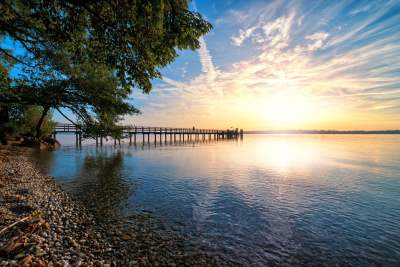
(284, 200)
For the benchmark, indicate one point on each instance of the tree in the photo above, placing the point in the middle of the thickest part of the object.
(6, 64)
(88, 55)
(90, 95)
(27, 117)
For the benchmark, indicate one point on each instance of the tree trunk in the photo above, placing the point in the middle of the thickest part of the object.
(4, 118)
(40, 122)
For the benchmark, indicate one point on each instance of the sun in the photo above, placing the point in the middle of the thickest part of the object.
(289, 111)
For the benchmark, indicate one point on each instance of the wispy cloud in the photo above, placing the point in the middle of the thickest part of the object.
(242, 36)
(318, 39)
(207, 65)
(361, 9)
(267, 33)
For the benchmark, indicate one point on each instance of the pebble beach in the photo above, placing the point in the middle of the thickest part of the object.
(50, 229)
(41, 225)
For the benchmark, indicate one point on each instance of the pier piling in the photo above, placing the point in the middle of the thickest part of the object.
(174, 134)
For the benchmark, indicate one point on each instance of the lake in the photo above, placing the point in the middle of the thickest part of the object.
(266, 199)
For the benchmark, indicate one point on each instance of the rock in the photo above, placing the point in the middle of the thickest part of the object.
(20, 256)
(133, 263)
(39, 253)
(75, 244)
(126, 237)
(65, 263)
(77, 262)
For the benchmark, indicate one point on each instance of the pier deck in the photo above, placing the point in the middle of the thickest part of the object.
(173, 134)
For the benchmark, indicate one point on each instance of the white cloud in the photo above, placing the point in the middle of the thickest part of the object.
(362, 9)
(275, 33)
(243, 35)
(207, 64)
(318, 39)
(233, 16)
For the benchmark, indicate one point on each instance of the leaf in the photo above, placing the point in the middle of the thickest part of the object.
(25, 262)
(13, 247)
(37, 214)
(41, 263)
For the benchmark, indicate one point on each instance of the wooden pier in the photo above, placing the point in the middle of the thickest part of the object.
(154, 134)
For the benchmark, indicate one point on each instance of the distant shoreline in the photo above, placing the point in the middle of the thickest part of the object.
(323, 132)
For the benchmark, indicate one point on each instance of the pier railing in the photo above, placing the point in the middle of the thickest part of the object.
(172, 133)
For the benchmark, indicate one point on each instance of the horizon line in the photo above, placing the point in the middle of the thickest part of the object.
(389, 131)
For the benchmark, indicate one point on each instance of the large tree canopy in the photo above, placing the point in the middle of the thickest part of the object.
(88, 55)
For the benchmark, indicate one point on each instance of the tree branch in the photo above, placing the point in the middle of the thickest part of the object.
(4, 51)
(13, 224)
(65, 116)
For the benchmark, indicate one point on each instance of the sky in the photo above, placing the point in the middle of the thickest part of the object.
(284, 65)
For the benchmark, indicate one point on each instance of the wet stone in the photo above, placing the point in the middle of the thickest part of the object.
(22, 209)
(69, 234)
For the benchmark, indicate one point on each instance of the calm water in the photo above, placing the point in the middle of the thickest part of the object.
(282, 199)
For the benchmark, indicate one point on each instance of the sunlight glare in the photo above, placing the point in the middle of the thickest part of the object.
(289, 111)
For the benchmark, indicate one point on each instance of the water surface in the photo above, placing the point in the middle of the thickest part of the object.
(269, 199)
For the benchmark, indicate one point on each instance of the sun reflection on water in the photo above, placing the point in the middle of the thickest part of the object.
(284, 153)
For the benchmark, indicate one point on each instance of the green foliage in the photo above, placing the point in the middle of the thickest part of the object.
(23, 120)
(29, 119)
(87, 56)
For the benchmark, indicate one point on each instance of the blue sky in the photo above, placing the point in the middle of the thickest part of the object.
(284, 65)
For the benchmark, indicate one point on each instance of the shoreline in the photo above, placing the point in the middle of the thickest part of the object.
(58, 230)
